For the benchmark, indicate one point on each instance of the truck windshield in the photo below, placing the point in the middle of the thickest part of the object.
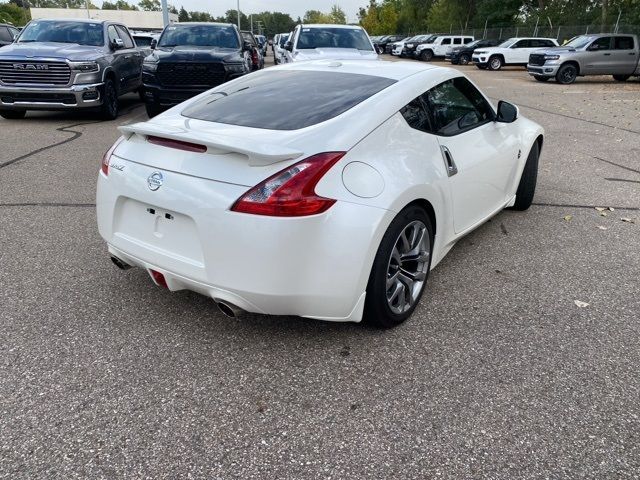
(311, 38)
(579, 42)
(81, 33)
(199, 36)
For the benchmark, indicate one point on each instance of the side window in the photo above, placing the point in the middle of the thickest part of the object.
(623, 43)
(522, 44)
(416, 115)
(14, 31)
(5, 36)
(124, 35)
(602, 43)
(457, 41)
(468, 40)
(446, 41)
(456, 106)
(548, 43)
(113, 35)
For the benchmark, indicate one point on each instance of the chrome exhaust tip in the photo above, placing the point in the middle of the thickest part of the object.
(229, 309)
(120, 263)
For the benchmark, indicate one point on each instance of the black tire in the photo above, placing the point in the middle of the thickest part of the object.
(426, 55)
(110, 105)
(528, 180)
(13, 114)
(540, 78)
(152, 109)
(495, 63)
(464, 59)
(621, 78)
(567, 74)
(377, 309)
(141, 94)
(481, 67)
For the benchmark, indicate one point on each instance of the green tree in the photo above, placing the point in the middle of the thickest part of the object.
(338, 16)
(13, 14)
(150, 5)
(183, 15)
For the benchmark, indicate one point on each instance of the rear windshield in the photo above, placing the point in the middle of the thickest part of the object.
(286, 100)
(142, 41)
(311, 38)
(222, 36)
(80, 33)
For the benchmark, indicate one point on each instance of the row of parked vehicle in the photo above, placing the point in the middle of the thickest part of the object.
(598, 54)
(89, 64)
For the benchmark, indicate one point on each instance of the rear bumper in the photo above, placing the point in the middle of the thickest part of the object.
(41, 98)
(315, 267)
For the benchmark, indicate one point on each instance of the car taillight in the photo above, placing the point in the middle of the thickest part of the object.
(107, 156)
(254, 57)
(291, 192)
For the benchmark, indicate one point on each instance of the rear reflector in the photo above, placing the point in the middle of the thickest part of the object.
(159, 279)
(177, 144)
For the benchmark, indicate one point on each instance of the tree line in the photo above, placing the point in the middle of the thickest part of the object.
(414, 16)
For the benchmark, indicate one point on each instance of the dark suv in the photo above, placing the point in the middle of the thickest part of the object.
(68, 64)
(7, 34)
(191, 58)
(462, 55)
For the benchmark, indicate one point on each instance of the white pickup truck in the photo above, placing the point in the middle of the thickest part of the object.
(514, 51)
(441, 45)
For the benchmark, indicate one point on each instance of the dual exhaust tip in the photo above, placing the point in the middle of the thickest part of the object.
(228, 309)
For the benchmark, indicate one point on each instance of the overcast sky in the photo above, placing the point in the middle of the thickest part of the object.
(295, 8)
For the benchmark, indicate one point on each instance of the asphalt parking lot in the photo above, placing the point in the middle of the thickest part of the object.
(499, 373)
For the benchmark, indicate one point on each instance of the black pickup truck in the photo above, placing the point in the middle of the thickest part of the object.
(68, 64)
(190, 58)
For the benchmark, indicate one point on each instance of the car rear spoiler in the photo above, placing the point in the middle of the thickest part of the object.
(259, 153)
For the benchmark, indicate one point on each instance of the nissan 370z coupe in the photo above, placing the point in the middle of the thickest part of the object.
(331, 202)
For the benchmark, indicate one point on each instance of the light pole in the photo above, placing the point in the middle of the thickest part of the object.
(238, 14)
(165, 13)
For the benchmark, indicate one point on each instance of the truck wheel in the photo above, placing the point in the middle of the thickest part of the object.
(400, 269)
(13, 114)
(540, 78)
(567, 74)
(495, 63)
(426, 55)
(152, 110)
(528, 180)
(464, 59)
(110, 106)
(621, 78)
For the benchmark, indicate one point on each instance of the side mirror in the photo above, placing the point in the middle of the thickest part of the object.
(507, 112)
(117, 44)
(378, 49)
(247, 47)
(154, 44)
(288, 46)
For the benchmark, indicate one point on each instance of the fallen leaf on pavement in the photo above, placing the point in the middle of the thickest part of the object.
(581, 304)
(601, 227)
(600, 209)
(628, 220)
(567, 218)
(603, 214)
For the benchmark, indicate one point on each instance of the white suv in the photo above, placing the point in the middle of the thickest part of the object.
(340, 42)
(441, 45)
(514, 51)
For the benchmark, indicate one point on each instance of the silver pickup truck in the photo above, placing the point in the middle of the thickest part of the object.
(602, 54)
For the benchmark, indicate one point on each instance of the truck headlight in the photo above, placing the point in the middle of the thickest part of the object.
(85, 67)
(552, 57)
(149, 66)
(235, 67)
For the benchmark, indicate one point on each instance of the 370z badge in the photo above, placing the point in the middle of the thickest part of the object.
(155, 181)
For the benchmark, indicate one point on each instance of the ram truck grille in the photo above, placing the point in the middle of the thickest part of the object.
(536, 59)
(39, 73)
(190, 74)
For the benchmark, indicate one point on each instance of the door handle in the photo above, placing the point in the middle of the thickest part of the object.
(632, 53)
(607, 54)
(449, 164)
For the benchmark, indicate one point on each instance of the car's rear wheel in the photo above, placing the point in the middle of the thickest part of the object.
(426, 55)
(110, 107)
(400, 269)
(528, 180)
(495, 63)
(567, 74)
(464, 59)
(13, 114)
(621, 78)
(540, 78)
(152, 109)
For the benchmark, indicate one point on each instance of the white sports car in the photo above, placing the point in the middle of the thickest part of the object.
(331, 202)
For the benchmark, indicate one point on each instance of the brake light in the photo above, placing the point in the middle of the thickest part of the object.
(107, 156)
(177, 144)
(291, 192)
(254, 58)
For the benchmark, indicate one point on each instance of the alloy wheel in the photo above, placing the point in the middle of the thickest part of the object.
(408, 266)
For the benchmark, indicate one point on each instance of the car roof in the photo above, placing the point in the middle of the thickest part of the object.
(377, 68)
(331, 25)
(202, 23)
(76, 20)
